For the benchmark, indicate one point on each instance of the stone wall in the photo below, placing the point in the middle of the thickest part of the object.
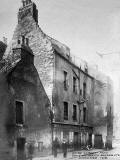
(6, 145)
(60, 94)
(41, 47)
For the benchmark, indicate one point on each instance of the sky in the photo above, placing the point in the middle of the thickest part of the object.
(87, 27)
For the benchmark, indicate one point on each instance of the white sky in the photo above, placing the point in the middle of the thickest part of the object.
(86, 26)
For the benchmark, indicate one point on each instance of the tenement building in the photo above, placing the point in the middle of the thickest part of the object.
(45, 96)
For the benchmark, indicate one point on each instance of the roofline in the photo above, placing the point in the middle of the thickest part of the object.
(74, 65)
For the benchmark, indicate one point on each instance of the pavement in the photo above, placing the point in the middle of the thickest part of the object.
(93, 154)
(70, 155)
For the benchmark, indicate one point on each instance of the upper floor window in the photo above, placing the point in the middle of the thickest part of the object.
(81, 92)
(74, 113)
(74, 85)
(65, 110)
(65, 81)
(84, 114)
(84, 90)
(19, 112)
(86, 69)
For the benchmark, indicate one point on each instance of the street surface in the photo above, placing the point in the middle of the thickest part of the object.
(93, 154)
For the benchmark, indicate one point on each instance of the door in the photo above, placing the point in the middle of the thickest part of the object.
(21, 148)
(75, 140)
(98, 143)
(90, 140)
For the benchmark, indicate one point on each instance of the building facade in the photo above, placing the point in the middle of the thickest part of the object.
(73, 102)
(57, 98)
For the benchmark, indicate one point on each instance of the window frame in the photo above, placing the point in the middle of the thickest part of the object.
(84, 90)
(65, 81)
(74, 84)
(23, 114)
(84, 114)
(66, 116)
(74, 116)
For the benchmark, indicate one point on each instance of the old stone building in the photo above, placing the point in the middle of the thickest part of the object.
(55, 97)
(24, 107)
(70, 89)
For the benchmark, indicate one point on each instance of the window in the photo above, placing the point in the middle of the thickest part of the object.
(81, 92)
(84, 115)
(86, 69)
(74, 85)
(84, 90)
(65, 111)
(74, 113)
(19, 112)
(80, 115)
(65, 80)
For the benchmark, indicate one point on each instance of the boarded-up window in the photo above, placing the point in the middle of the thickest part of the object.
(65, 111)
(19, 112)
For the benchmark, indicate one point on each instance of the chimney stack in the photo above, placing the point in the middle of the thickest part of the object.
(28, 9)
(26, 2)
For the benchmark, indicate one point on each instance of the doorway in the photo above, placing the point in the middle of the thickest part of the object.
(75, 140)
(21, 148)
(98, 142)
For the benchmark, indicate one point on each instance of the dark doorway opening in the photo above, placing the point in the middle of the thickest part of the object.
(76, 140)
(21, 148)
(90, 140)
(98, 142)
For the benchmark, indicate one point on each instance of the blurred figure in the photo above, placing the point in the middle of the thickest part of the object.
(55, 147)
(64, 147)
(31, 151)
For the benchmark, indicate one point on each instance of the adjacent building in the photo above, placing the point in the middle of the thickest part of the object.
(24, 107)
(103, 111)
